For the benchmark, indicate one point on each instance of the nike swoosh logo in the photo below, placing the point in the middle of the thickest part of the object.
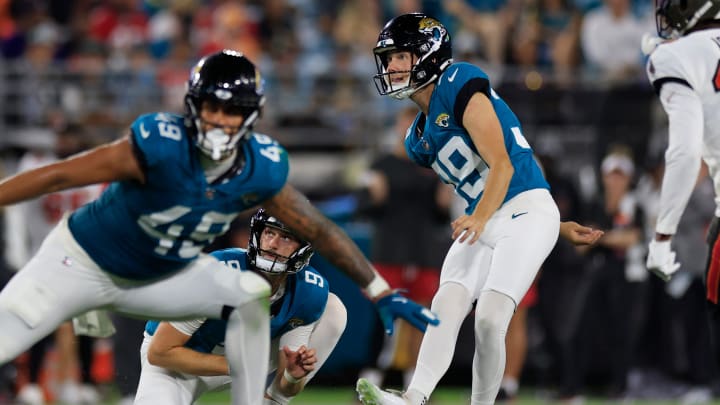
(452, 76)
(144, 132)
(517, 214)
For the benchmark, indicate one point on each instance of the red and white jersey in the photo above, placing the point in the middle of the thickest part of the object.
(686, 75)
(28, 223)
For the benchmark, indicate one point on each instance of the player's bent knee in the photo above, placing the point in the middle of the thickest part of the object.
(253, 285)
(31, 302)
(493, 312)
(451, 295)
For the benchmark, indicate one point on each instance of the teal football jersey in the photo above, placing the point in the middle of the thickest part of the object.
(143, 231)
(303, 303)
(440, 142)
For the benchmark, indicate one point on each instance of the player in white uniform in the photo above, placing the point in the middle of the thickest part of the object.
(176, 183)
(469, 136)
(183, 360)
(685, 71)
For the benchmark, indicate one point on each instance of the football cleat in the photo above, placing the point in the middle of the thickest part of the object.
(371, 394)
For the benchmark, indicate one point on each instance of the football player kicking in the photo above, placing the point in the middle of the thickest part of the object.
(182, 360)
(468, 135)
(177, 182)
(684, 69)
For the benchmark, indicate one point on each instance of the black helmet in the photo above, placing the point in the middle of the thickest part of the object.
(675, 17)
(423, 36)
(231, 80)
(293, 263)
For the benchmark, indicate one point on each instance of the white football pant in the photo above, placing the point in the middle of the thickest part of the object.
(61, 282)
(496, 271)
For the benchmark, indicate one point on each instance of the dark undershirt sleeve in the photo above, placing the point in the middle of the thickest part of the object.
(657, 84)
(476, 85)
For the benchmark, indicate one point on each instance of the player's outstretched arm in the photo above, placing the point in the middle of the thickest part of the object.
(293, 209)
(105, 163)
(167, 350)
(579, 234)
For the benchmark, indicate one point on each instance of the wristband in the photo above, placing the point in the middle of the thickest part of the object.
(291, 379)
(377, 286)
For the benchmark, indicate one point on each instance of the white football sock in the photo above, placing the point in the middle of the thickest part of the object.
(492, 317)
(451, 303)
(247, 348)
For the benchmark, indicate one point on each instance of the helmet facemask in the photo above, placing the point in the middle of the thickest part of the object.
(230, 82)
(429, 44)
(271, 262)
(215, 142)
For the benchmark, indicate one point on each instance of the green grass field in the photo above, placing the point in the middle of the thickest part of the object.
(443, 396)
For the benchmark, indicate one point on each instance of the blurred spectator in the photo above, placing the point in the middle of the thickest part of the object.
(546, 34)
(562, 283)
(483, 24)
(118, 24)
(172, 77)
(233, 25)
(338, 92)
(610, 36)
(614, 307)
(359, 35)
(31, 92)
(277, 32)
(164, 29)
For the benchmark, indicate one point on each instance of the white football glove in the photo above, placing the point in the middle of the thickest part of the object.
(661, 259)
(649, 43)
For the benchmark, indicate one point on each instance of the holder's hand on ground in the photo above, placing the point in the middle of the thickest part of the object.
(661, 259)
(394, 305)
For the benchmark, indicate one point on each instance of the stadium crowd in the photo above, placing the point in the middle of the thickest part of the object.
(574, 69)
